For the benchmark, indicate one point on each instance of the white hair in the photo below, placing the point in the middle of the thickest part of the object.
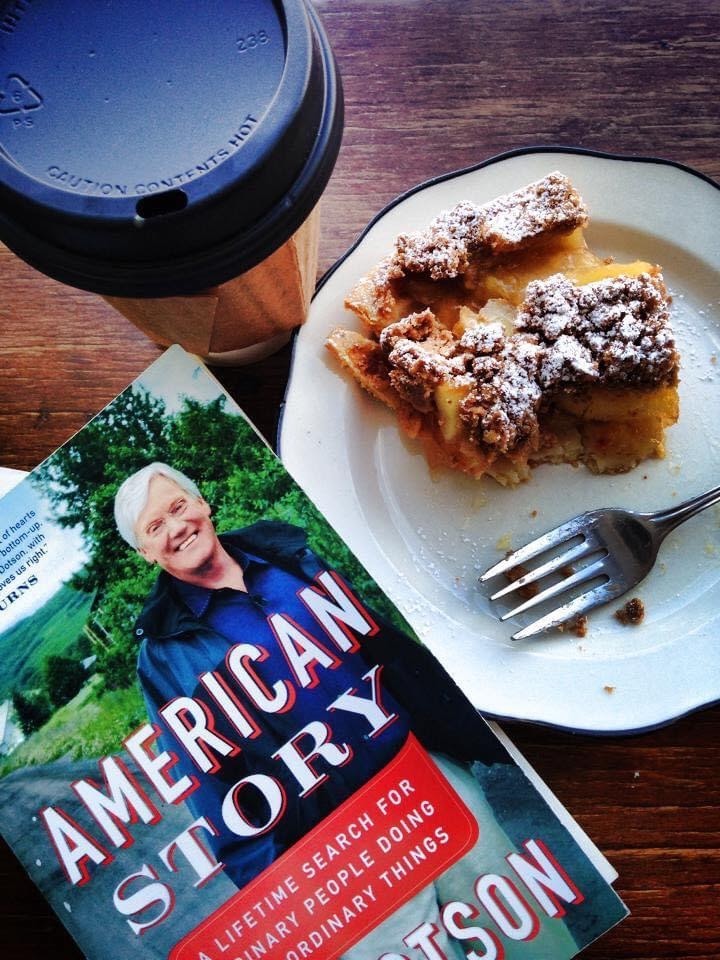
(132, 497)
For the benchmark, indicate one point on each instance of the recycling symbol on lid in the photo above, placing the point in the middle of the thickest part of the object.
(17, 96)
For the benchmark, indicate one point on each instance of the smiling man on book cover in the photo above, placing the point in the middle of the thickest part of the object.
(301, 778)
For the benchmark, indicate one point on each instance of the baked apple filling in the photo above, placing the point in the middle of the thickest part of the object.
(501, 341)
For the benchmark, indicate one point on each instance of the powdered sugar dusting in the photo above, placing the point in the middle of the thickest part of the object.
(613, 332)
(444, 248)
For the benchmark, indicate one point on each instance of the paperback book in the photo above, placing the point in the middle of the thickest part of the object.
(221, 740)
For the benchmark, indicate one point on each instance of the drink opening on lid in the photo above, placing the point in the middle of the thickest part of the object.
(160, 204)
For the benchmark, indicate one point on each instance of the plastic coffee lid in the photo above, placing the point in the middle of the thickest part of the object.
(150, 148)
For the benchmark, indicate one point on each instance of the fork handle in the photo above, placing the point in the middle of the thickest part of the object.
(667, 520)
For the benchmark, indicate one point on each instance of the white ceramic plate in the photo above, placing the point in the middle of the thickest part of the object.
(425, 538)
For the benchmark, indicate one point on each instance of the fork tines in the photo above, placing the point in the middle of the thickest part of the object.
(575, 541)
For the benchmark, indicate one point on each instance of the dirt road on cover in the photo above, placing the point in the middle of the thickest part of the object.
(88, 911)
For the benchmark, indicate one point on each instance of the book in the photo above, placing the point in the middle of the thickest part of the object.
(224, 742)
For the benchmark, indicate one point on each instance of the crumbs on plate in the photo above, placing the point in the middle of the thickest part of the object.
(578, 625)
(632, 613)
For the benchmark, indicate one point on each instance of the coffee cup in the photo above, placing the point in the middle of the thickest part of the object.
(171, 158)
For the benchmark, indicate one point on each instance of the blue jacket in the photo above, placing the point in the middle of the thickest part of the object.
(176, 647)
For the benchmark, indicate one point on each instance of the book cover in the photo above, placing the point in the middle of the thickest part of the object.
(223, 742)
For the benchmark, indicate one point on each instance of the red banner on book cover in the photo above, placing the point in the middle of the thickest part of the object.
(390, 839)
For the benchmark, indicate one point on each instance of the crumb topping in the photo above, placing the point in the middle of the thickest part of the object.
(444, 248)
(422, 354)
(502, 405)
(612, 332)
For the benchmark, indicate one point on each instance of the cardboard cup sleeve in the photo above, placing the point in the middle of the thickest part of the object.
(246, 317)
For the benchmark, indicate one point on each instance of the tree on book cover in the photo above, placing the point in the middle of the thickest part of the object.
(233, 746)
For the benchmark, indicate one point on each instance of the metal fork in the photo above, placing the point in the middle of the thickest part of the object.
(617, 548)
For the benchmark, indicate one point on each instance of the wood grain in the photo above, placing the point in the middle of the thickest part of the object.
(432, 86)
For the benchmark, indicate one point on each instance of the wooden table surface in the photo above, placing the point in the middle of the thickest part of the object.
(432, 86)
